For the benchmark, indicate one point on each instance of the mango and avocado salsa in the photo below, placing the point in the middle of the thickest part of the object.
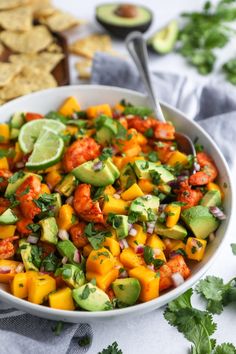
(99, 207)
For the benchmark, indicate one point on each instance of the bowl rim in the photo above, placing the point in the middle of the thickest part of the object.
(146, 306)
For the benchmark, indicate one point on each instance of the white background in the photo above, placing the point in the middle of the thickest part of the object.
(151, 334)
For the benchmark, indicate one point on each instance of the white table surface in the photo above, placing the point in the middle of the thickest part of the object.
(151, 333)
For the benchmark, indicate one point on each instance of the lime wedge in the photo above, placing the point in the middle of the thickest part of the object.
(47, 150)
(31, 130)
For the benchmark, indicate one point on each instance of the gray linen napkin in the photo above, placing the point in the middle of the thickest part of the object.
(215, 110)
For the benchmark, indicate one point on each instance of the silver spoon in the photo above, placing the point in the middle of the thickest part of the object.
(137, 49)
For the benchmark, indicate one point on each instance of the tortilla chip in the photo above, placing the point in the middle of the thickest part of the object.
(32, 41)
(19, 19)
(84, 68)
(54, 48)
(2, 48)
(1, 102)
(42, 61)
(29, 80)
(59, 21)
(42, 8)
(88, 46)
(11, 4)
(8, 71)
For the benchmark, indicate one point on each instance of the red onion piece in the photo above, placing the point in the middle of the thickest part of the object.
(123, 244)
(32, 239)
(116, 196)
(177, 279)
(130, 226)
(217, 212)
(64, 260)
(139, 249)
(69, 200)
(162, 207)
(196, 166)
(74, 115)
(20, 164)
(151, 267)
(98, 166)
(123, 274)
(156, 251)
(77, 257)
(133, 232)
(5, 270)
(63, 235)
(20, 268)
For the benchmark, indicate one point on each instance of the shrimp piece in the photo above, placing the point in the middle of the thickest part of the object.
(164, 151)
(79, 152)
(164, 131)
(7, 249)
(188, 195)
(141, 125)
(22, 224)
(26, 193)
(208, 171)
(4, 174)
(4, 204)
(174, 265)
(77, 235)
(84, 205)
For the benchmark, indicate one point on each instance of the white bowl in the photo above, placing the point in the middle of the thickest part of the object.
(45, 101)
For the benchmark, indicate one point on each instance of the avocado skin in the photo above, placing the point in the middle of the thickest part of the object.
(200, 221)
(121, 31)
(97, 300)
(127, 290)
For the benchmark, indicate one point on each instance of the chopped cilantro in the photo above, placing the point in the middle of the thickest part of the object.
(152, 156)
(33, 227)
(95, 237)
(112, 349)
(84, 341)
(149, 133)
(106, 153)
(50, 263)
(156, 177)
(138, 111)
(58, 328)
(16, 176)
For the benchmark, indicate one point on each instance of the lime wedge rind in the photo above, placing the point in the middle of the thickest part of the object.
(31, 131)
(47, 150)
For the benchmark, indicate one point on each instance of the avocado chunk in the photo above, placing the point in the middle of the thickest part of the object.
(72, 275)
(211, 198)
(126, 290)
(200, 221)
(26, 255)
(127, 176)
(8, 217)
(67, 186)
(177, 232)
(120, 19)
(87, 173)
(163, 41)
(49, 230)
(17, 120)
(14, 133)
(120, 224)
(67, 249)
(56, 204)
(145, 207)
(106, 129)
(89, 297)
(22, 176)
(143, 170)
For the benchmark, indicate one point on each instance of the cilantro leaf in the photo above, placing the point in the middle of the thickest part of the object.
(233, 246)
(95, 237)
(216, 293)
(16, 176)
(50, 263)
(225, 348)
(138, 111)
(106, 153)
(112, 349)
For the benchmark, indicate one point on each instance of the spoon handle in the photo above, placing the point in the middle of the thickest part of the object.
(137, 48)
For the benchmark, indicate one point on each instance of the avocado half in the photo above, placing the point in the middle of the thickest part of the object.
(119, 26)
(163, 41)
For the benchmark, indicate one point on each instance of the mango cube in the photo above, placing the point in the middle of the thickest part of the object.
(62, 300)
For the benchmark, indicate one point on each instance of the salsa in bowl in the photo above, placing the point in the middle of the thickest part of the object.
(100, 210)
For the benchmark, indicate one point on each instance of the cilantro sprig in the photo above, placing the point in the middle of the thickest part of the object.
(197, 326)
(95, 237)
(111, 349)
(216, 293)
